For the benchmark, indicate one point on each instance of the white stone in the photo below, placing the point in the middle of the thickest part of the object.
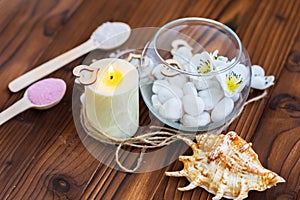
(145, 75)
(165, 94)
(183, 55)
(222, 109)
(203, 119)
(189, 88)
(171, 109)
(214, 83)
(158, 85)
(202, 83)
(178, 91)
(169, 92)
(155, 103)
(189, 121)
(211, 97)
(196, 121)
(176, 44)
(235, 97)
(209, 104)
(156, 72)
(192, 105)
(178, 80)
(204, 93)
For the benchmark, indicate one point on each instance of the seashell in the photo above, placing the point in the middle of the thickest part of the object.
(226, 166)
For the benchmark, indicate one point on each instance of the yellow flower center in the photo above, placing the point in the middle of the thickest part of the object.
(233, 81)
(205, 67)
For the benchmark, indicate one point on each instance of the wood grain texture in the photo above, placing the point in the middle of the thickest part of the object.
(41, 155)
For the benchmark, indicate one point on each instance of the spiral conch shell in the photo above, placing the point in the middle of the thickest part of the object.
(226, 166)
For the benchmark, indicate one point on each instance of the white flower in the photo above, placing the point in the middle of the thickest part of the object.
(259, 80)
(202, 63)
(257, 71)
(214, 55)
(220, 62)
(234, 80)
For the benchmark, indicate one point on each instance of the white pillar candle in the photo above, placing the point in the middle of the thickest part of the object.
(112, 101)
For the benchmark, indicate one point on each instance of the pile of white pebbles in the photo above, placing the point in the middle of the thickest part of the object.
(196, 101)
(180, 99)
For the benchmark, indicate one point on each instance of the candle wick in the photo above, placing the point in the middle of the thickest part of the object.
(111, 77)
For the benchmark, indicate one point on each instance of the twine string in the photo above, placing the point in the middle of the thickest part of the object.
(157, 137)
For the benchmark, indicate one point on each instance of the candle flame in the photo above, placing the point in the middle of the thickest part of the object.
(111, 72)
(112, 77)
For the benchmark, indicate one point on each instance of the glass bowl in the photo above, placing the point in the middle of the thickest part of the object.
(195, 74)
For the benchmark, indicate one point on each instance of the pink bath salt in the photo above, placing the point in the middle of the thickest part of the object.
(47, 91)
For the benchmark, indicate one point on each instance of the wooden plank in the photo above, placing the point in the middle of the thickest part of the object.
(24, 32)
(24, 150)
(59, 169)
(28, 31)
(277, 138)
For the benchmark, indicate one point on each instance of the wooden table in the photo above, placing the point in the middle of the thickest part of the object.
(41, 155)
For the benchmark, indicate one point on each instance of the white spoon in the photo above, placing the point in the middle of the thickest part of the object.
(41, 95)
(107, 36)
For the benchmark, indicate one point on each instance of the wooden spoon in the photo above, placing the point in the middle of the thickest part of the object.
(41, 95)
(107, 36)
